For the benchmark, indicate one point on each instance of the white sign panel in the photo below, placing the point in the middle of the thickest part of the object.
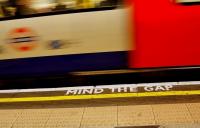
(75, 33)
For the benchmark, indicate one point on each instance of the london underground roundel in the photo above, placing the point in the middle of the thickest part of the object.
(22, 39)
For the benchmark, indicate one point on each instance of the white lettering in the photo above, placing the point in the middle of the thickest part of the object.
(122, 89)
(88, 91)
(168, 87)
(149, 89)
(73, 92)
(113, 90)
(159, 88)
(133, 89)
(79, 91)
(98, 90)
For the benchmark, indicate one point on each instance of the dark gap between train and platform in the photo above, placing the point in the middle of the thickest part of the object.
(70, 80)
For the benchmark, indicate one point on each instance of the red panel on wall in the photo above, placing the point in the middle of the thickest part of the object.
(167, 34)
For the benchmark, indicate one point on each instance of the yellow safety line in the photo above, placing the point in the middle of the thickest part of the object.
(100, 96)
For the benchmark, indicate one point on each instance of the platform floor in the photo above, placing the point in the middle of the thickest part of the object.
(178, 112)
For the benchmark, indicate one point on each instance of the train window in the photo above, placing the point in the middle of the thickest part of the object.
(189, 2)
(20, 8)
(62, 5)
(6, 8)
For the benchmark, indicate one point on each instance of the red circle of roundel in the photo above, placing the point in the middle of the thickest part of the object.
(22, 39)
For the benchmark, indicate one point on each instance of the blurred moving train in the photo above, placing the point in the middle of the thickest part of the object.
(57, 36)
(167, 34)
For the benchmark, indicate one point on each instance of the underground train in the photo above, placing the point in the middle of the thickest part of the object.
(65, 35)
(59, 36)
